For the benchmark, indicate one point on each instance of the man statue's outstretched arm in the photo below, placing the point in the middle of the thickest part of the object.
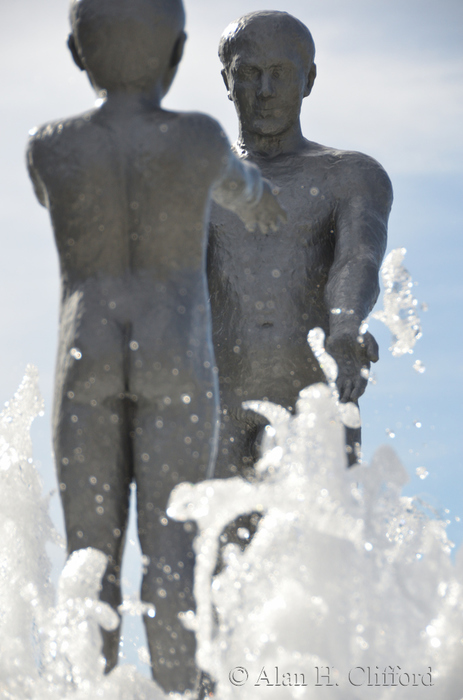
(360, 230)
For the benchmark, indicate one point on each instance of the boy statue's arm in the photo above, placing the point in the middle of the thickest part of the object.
(39, 188)
(243, 190)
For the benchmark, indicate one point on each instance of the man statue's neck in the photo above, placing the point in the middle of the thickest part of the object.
(270, 145)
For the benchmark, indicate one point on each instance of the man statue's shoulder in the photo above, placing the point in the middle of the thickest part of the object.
(352, 172)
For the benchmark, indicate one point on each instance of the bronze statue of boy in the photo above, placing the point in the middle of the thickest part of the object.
(128, 187)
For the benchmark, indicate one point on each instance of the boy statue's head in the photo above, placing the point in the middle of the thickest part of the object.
(128, 45)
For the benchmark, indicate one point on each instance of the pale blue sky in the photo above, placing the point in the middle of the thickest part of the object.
(389, 84)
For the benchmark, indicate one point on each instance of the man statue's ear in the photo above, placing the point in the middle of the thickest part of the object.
(75, 54)
(310, 80)
(225, 80)
(177, 53)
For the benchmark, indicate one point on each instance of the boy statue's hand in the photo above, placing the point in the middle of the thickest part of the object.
(267, 213)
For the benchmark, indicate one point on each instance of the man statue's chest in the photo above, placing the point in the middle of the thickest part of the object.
(306, 240)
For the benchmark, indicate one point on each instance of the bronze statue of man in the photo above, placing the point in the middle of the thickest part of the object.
(128, 187)
(320, 269)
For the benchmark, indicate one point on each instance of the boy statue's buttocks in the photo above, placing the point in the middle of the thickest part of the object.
(128, 187)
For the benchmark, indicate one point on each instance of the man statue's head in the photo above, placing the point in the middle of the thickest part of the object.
(128, 45)
(269, 68)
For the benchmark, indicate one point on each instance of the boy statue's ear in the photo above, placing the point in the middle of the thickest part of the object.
(177, 52)
(75, 54)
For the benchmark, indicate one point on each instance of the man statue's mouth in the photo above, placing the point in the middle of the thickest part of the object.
(268, 113)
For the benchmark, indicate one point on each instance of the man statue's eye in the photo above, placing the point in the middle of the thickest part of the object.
(248, 73)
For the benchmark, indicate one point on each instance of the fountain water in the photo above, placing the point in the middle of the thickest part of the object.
(346, 590)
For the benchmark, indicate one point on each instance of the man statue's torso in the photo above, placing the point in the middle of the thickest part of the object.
(267, 292)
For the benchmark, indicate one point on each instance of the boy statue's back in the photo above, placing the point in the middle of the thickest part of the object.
(128, 187)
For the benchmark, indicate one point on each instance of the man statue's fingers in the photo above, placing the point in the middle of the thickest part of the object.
(359, 389)
(345, 391)
(371, 347)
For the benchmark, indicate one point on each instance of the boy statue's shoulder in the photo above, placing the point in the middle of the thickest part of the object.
(206, 129)
(59, 134)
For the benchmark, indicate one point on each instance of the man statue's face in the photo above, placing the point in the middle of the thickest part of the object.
(267, 81)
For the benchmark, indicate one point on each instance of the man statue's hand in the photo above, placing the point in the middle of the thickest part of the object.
(267, 213)
(353, 354)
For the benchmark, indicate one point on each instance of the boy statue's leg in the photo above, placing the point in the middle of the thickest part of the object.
(94, 472)
(173, 442)
(168, 584)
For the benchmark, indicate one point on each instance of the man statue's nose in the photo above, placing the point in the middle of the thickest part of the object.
(266, 87)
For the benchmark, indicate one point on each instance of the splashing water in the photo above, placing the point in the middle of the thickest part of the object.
(345, 581)
(400, 306)
(50, 642)
(344, 578)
